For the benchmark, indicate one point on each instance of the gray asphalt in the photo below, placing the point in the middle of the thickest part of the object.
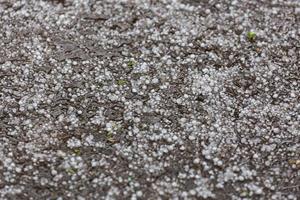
(149, 99)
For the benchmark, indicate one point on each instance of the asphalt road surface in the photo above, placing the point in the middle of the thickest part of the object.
(149, 99)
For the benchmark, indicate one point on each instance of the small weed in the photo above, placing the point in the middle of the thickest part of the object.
(71, 171)
(244, 193)
(122, 82)
(137, 75)
(251, 36)
(77, 152)
(131, 64)
(116, 127)
(110, 138)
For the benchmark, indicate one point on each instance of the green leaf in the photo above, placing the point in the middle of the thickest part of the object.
(77, 152)
(122, 82)
(71, 171)
(131, 64)
(251, 36)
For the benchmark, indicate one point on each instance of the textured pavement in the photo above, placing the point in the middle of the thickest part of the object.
(149, 99)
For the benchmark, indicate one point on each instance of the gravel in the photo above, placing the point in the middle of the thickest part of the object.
(143, 99)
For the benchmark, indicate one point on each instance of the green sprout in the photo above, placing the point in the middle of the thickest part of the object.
(251, 36)
(110, 138)
(131, 64)
(122, 82)
(71, 171)
(116, 127)
(137, 75)
(244, 193)
(77, 152)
